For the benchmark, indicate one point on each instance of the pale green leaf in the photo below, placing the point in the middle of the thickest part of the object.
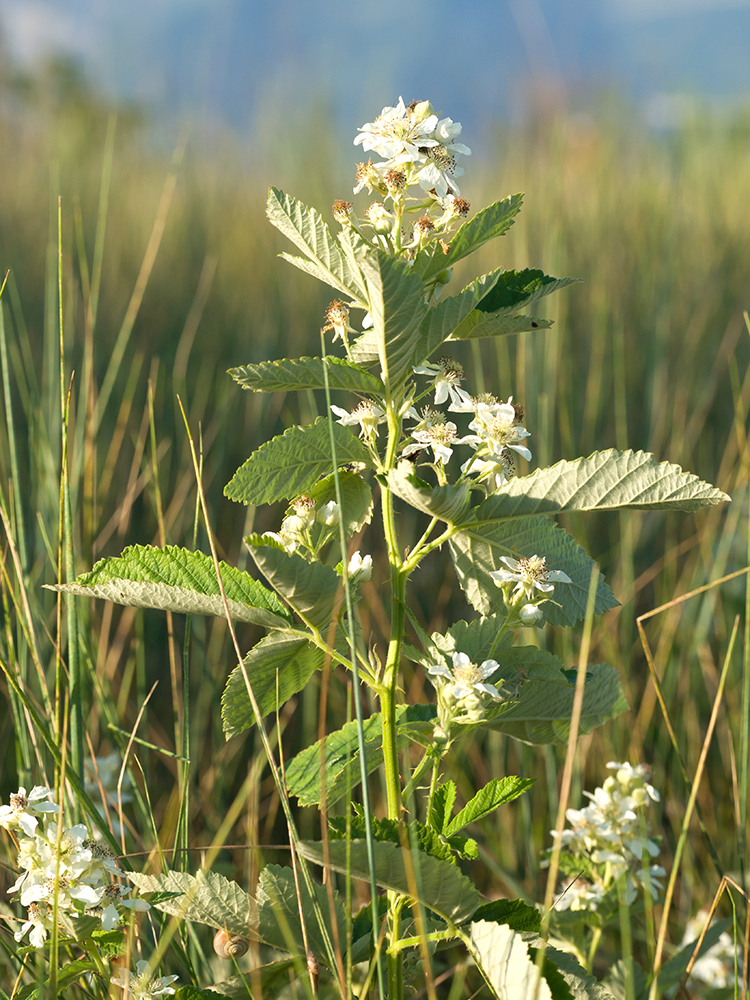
(495, 793)
(449, 503)
(442, 887)
(306, 229)
(309, 588)
(356, 499)
(542, 711)
(491, 222)
(479, 324)
(277, 667)
(290, 464)
(206, 897)
(305, 373)
(334, 761)
(175, 579)
(279, 901)
(606, 480)
(477, 550)
(397, 306)
(503, 959)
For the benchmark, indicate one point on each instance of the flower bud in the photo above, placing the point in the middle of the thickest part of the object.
(379, 218)
(530, 614)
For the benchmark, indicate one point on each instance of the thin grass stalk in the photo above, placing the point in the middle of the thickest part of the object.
(281, 791)
(744, 754)
(653, 994)
(355, 684)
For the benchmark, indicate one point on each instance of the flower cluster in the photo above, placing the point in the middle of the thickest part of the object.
(306, 526)
(608, 839)
(463, 693)
(418, 149)
(66, 871)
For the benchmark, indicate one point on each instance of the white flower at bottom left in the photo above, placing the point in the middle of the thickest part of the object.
(141, 985)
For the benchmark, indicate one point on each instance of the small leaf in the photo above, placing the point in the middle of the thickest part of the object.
(175, 579)
(277, 667)
(606, 480)
(397, 306)
(491, 222)
(356, 499)
(206, 897)
(442, 887)
(581, 984)
(442, 806)
(517, 914)
(289, 464)
(449, 503)
(306, 229)
(480, 324)
(477, 550)
(503, 959)
(495, 793)
(305, 373)
(310, 588)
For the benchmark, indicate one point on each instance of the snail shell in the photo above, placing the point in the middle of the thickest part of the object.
(228, 945)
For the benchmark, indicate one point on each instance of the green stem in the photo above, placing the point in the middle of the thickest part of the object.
(433, 786)
(593, 947)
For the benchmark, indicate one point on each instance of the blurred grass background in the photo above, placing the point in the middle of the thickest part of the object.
(171, 277)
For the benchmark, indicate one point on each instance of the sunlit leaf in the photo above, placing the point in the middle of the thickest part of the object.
(305, 373)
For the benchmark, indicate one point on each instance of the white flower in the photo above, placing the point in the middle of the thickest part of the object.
(367, 415)
(579, 895)
(142, 986)
(37, 924)
(448, 373)
(496, 426)
(114, 896)
(23, 809)
(530, 614)
(329, 514)
(400, 133)
(359, 568)
(433, 431)
(529, 574)
(465, 678)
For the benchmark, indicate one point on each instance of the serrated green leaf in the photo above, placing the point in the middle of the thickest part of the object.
(491, 222)
(415, 834)
(356, 499)
(495, 793)
(477, 550)
(445, 317)
(397, 306)
(310, 588)
(206, 897)
(606, 480)
(475, 638)
(479, 324)
(581, 984)
(515, 290)
(306, 229)
(277, 667)
(443, 888)
(503, 959)
(442, 805)
(290, 464)
(543, 709)
(517, 914)
(449, 503)
(289, 375)
(194, 993)
(175, 579)
(311, 768)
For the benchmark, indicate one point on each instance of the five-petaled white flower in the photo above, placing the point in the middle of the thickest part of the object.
(433, 431)
(529, 574)
(465, 678)
(142, 985)
(23, 809)
(367, 415)
(447, 374)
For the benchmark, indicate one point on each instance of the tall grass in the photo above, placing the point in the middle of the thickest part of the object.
(169, 277)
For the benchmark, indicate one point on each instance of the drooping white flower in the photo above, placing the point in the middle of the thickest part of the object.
(23, 809)
(38, 924)
(367, 415)
(142, 985)
(114, 897)
(447, 374)
(578, 894)
(529, 574)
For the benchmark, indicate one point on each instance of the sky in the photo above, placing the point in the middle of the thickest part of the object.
(232, 60)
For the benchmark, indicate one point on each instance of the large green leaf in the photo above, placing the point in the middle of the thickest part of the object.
(334, 761)
(449, 503)
(516, 289)
(397, 306)
(277, 668)
(309, 588)
(175, 579)
(478, 548)
(502, 957)
(442, 887)
(206, 897)
(606, 480)
(291, 463)
(280, 898)
(519, 916)
(306, 229)
(305, 373)
(491, 222)
(542, 711)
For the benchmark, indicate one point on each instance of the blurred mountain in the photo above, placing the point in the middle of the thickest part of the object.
(235, 60)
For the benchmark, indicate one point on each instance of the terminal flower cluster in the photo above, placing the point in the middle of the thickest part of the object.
(64, 870)
(609, 839)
